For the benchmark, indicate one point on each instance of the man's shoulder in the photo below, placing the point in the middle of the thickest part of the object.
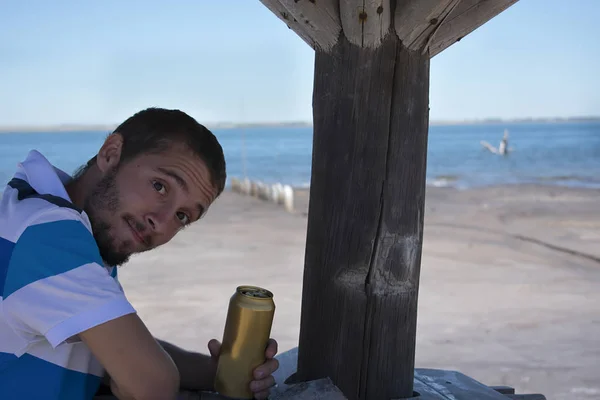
(18, 213)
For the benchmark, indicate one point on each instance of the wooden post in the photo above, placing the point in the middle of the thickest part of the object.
(363, 251)
(365, 224)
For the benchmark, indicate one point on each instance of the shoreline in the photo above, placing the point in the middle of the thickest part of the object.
(475, 188)
(493, 186)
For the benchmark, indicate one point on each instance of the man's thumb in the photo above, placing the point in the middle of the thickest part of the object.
(214, 347)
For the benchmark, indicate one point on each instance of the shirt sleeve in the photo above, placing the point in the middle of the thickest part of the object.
(56, 285)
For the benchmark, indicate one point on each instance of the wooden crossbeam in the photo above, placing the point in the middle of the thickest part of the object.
(464, 19)
(316, 22)
(422, 25)
(417, 23)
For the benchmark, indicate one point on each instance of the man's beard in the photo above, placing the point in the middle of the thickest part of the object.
(104, 199)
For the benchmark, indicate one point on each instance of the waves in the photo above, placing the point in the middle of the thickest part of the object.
(547, 154)
(465, 182)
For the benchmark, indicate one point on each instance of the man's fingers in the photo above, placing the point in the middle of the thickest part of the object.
(266, 369)
(265, 384)
(271, 348)
(214, 347)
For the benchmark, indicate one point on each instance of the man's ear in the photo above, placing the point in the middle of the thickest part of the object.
(109, 154)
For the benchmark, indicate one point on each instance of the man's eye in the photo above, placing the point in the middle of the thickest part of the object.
(159, 187)
(183, 218)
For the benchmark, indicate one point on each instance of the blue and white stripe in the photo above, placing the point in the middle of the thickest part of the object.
(53, 285)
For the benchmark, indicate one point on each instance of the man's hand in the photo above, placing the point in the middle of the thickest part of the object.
(263, 379)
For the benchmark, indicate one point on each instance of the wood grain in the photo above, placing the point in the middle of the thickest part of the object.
(417, 20)
(365, 22)
(429, 26)
(316, 22)
(365, 221)
(464, 19)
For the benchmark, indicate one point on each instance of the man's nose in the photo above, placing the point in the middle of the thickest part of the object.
(158, 221)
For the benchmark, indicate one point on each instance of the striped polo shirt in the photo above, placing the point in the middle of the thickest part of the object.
(53, 285)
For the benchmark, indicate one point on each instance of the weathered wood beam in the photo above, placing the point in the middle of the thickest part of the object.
(365, 22)
(317, 22)
(416, 21)
(292, 23)
(433, 25)
(425, 25)
(464, 19)
(365, 223)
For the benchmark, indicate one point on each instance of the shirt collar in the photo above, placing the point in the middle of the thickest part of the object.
(43, 176)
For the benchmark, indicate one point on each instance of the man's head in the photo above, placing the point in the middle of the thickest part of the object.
(158, 172)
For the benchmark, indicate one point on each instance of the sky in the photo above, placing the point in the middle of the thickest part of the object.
(98, 62)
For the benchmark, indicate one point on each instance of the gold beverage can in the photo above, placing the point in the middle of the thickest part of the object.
(245, 339)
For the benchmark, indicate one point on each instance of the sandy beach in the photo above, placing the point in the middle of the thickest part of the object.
(509, 288)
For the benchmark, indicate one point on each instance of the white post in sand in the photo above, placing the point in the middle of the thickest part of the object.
(277, 193)
(245, 186)
(235, 185)
(253, 188)
(264, 191)
(288, 198)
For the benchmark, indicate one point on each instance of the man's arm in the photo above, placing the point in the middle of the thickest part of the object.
(138, 366)
(196, 371)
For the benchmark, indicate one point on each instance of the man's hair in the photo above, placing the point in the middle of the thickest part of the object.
(155, 130)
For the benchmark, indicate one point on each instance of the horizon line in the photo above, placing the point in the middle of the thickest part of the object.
(232, 125)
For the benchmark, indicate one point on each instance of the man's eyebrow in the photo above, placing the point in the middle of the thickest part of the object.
(180, 181)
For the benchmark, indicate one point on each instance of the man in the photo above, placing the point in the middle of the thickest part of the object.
(64, 319)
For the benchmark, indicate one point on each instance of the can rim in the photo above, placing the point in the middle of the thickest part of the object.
(243, 288)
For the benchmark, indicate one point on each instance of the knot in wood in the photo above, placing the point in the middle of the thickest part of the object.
(379, 10)
(284, 15)
(362, 17)
(433, 21)
(312, 1)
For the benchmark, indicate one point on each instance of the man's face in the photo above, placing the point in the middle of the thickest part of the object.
(143, 203)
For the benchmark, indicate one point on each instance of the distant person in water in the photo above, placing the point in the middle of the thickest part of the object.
(502, 149)
(65, 322)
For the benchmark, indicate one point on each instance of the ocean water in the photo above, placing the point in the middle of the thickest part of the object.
(549, 153)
